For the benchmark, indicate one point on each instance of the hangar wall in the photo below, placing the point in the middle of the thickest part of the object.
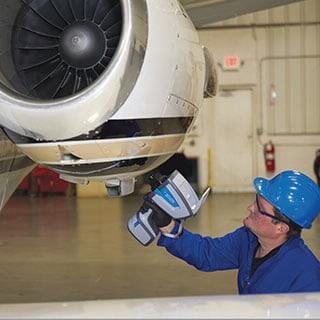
(279, 51)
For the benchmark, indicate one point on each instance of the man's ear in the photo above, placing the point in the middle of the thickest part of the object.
(283, 227)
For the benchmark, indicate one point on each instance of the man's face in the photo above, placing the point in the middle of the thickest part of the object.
(261, 224)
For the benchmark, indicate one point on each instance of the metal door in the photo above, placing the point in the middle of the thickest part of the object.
(233, 139)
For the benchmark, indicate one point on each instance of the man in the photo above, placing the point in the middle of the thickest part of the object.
(268, 251)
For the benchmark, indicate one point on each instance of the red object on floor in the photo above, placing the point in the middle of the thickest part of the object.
(24, 185)
(43, 180)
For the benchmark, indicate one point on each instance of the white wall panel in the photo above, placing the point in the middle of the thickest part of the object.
(296, 108)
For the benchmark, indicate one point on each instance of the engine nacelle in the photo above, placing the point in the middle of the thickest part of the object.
(100, 90)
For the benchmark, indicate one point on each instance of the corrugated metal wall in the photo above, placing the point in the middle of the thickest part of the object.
(291, 70)
(280, 50)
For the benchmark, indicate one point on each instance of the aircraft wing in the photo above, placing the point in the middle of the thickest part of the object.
(277, 306)
(207, 12)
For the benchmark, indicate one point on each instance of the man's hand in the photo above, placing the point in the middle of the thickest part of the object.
(168, 228)
(160, 218)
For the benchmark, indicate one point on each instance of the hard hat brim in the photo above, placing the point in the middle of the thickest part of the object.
(261, 185)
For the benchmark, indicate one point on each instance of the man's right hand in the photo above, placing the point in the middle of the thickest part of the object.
(169, 228)
(161, 218)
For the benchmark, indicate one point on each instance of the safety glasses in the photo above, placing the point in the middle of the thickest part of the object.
(266, 213)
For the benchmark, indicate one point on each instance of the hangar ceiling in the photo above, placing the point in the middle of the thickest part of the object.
(206, 12)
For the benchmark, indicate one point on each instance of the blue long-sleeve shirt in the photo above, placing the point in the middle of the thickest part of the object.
(293, 269)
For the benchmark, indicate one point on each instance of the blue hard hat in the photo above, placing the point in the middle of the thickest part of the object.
(294, 194)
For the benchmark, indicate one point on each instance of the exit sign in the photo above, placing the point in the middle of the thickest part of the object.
(231, 63)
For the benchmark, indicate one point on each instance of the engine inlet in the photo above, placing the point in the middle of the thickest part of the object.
(61, 47)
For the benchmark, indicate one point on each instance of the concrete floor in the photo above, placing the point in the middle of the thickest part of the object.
(59, 248)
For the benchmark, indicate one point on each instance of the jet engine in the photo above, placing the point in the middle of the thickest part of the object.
(100, 90)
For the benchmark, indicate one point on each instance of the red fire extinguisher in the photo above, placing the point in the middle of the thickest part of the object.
(269, 156)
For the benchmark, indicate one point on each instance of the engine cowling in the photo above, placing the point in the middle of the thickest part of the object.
(100, 90)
